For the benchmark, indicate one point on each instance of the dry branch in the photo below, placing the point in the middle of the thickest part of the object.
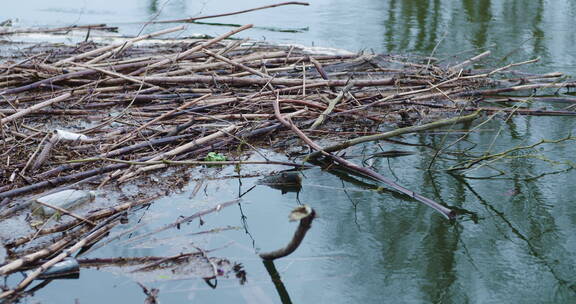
(242, 81)
(192, 50)
(115, 47)
(231, 13)
(364, 171)
(34, 108)
(397, 132)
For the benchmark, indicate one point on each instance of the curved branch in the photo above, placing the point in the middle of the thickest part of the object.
(305, 224)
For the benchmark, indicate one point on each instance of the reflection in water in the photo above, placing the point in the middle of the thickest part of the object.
(533, 250)
(479, 13)
(513, 30)
(277, 281)
(520, 246)
(153, 6)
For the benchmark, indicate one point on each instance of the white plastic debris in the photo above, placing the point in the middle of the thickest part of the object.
(2, 254)
(66, 199)
(317, 50)
(67, 135)
(67, 269)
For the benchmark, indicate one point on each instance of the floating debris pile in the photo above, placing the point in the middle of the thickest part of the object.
(180, 101)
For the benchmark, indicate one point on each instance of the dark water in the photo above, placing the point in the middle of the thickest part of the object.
(517, 243)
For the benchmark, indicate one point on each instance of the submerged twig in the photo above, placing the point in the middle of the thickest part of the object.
(99, 231)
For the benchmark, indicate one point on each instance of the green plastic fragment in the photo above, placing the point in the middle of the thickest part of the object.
(214, 156)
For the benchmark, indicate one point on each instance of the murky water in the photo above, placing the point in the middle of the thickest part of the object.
(515, 245)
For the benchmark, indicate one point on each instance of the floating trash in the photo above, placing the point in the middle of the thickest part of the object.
(284, 181)
(2, 254)
(71, 136)
(66, 199)
(67, 269)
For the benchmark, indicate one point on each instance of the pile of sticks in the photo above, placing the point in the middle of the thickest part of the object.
(140, 109)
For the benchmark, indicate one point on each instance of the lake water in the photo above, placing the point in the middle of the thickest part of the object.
(517, 242)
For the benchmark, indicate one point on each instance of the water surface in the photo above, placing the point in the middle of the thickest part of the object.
(516, 244)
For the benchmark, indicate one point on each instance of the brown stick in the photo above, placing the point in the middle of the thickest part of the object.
(130, 43)
(241, 81)
(34, 108)
(64, 211)
(29, 162)
(117, 152)
(179, 150)
(365, 171)
(231, 13)
(58, 29)
(116, 74)
(319, 68)
(79, 74)
(258, 57)
(180, 108)
(61, 180)
(117, 46)
(397, 132)
(187, 219)
(49, 112)
(331, 106)
(236, 64)
(457, 67)
(192, 50)
(191, 162)
(44, 155)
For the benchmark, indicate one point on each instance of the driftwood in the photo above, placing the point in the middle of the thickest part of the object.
(34, 108)
(242, 82)
(106, 51)
(232, 13)
(446, 212)
(60, 29)
(397, 132)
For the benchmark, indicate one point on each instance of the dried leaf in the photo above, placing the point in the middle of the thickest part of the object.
(300, 212)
